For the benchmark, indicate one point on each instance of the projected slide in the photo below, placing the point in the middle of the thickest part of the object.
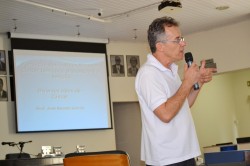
(61, 91)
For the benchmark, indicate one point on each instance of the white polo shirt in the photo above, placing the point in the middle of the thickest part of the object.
(163, 143)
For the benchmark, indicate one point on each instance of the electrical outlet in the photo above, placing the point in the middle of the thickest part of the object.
(248, 83)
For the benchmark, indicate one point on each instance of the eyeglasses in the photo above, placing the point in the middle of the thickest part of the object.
(177, 41)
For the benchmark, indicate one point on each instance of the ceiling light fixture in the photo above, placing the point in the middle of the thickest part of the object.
(15, 27)
(135, 36)
(63, 11)
(78, 31)
(167, 6)
(222, 7)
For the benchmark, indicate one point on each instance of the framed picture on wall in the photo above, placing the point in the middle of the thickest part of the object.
(3, 88)
(117, 65)
(2, 62)
(133, 65)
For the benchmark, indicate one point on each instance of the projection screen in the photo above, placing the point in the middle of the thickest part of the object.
(58, 91)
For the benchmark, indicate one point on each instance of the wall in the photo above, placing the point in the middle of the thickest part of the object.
(213, 112)
(93, 140)
(228, 46)
(242, 100)
(128, 130)
(122, 88)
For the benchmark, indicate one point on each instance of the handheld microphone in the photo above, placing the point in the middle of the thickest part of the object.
(189, 61)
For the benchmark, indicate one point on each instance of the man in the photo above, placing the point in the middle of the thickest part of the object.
(168, 132)
(132, 71)
(3, 93)
(118, 68)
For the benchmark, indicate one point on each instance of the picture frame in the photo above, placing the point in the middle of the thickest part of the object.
(133, 65)
(3, 88)
(117, 65)
(3, 62)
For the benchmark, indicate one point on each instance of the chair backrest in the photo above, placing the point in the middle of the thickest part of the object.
(102, 158)
(17, 156)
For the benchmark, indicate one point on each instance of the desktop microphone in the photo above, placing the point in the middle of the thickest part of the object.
(189, 61)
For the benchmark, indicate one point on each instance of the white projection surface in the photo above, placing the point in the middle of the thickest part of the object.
(61, 91)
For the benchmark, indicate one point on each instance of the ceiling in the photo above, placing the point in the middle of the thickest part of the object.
(120, 17)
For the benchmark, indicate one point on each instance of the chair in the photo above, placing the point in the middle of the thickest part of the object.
(102, 158)
(17, 156)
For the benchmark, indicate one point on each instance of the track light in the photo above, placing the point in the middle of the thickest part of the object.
(53, 9)
(167, 6)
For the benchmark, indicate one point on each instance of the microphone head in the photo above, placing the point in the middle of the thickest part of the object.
(8, 143)
(188, 57)
(24, 142)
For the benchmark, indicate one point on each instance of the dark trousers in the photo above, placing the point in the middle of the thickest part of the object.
(190, 162)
